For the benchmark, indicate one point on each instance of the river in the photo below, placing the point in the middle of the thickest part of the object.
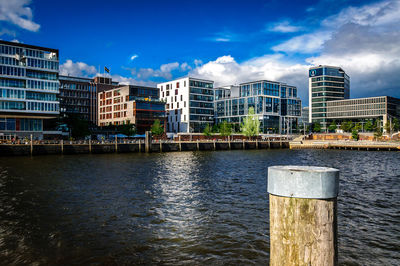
(193, 208)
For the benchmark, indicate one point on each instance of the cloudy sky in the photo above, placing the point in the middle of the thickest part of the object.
(228, 41)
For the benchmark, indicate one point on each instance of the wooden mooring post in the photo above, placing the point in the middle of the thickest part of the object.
(62, 146)
(31, 144)
(303, 215)
(148, 142)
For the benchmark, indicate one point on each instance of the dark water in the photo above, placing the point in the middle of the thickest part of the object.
(207, 208)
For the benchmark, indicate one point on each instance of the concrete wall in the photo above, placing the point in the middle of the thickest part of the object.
(44, 149)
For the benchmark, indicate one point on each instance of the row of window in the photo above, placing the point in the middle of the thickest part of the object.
(42, 85)
(327, 79)
(74, 86)
(5, 49)
(359, 101)
(12, 71)
(5, 60)
(41, 96)
(12, 94)
(42, 64)
(356, 107)
(320, 94)
(45, 107)
(194, 83)
(330, 84)
(20, 124)
(357, 113)
(41, 75)
(12, 83)
(327, 89)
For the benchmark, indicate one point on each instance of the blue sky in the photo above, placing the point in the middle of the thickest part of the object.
(146, 42)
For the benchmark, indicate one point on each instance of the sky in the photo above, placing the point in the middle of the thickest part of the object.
(228, 41)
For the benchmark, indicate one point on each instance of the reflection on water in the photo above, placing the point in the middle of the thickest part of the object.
(183, 208)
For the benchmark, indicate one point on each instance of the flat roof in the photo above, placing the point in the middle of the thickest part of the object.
(29, 46)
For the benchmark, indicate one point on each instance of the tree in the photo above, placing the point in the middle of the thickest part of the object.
(317, 127)
(332, 127)
(225, 129)
(346, 126)
(388, 127)
(357, 127)
(157, 129)
(207, 131)
(369, 126)
(251, 125)
(79, 127)
(215, 128)
(127, 129)
(396, 125)
(354, 134)
(378, 129)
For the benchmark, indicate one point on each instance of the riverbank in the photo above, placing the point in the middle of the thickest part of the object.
(346, 145)
(121, 147)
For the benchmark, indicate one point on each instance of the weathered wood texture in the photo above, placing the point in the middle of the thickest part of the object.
(303, 231)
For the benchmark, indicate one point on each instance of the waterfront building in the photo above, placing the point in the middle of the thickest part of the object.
(326, 83)
(28, 90)
(132, 104)
(305, 113)
(276, 105)
(361, 110)
(78, 96)
(189, 104)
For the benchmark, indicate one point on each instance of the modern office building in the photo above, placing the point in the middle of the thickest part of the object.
(78, 96)
(189, 104)
(305, 113)
(136, 105)
(28, 90)
(276, 105)
(326, 83)
(361, 110)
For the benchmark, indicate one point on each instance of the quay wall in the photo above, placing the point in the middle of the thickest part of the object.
(67, 148)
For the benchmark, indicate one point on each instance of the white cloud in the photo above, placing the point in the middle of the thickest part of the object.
(381, 13)
(365, 44)
(165, 71)
(78, 69)
(284, 27)
(306, 43)
(133, 57)
(18, 13)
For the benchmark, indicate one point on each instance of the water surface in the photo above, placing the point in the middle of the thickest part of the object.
(197, 208)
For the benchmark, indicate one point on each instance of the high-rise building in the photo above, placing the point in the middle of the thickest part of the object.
(78, 96)
(275, 104)
(190, 104)
(28, 90)
(137, 105)
(326, 83)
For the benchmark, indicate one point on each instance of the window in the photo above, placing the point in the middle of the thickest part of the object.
(177, 105)
(177, 85)
(181, 97)
(176, 92)
(184, 103)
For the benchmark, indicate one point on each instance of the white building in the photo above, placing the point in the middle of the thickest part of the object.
(190, 104)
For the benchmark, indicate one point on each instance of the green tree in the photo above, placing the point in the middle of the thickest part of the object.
(207, 131)
(251, 125)
(377, 129)
(369, 126)
(396, 125)
(79, 127)
(157, 129)
(317, 127)
(346, 126)
(388, 127)
(127, 129)
(354, 134)
(332, 127)
(215, 128)
(225, 129)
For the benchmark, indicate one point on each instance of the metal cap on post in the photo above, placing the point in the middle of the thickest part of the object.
(308, 182)
(303, 215)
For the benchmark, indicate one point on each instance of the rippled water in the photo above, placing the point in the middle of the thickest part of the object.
(183, 208)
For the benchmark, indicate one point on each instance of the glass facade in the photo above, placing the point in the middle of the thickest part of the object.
(201, 104)
(28, 86)
(326, 84)
(273, 102)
